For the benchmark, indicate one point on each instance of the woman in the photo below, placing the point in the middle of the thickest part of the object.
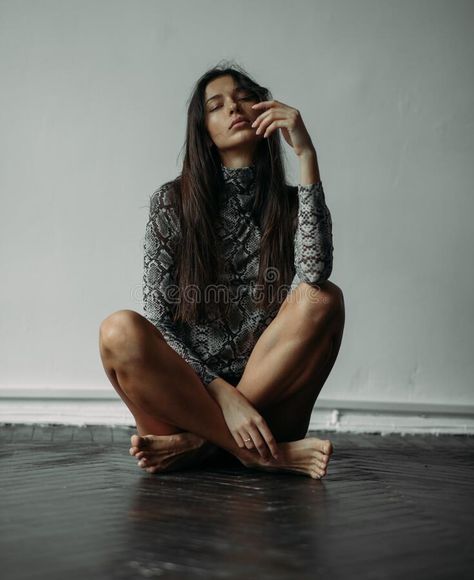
(222, 361)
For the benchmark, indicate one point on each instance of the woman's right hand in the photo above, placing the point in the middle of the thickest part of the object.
(248, 427)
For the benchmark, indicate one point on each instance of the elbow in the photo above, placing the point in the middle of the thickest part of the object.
(324, 274)
(325, 269)
(316, 275)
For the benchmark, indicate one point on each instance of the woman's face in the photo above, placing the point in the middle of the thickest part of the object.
(224, 102)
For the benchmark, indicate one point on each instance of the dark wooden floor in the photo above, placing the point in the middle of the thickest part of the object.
(74, 504)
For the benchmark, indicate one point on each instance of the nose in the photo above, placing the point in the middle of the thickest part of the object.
(233, 105)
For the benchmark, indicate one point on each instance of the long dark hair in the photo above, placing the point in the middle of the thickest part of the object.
(195, 196)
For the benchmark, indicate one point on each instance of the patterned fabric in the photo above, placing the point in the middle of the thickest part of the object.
(223, 347)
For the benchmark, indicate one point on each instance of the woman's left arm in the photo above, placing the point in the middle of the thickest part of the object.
(313, 243)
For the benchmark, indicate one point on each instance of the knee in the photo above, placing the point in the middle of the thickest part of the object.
(325, 300)
(121, 334)
(333, 297)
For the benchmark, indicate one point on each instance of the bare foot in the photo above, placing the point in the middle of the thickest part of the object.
(309, 456)
(170, 452)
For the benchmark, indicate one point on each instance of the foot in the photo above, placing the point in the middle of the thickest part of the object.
(169, 452)
(309, 456)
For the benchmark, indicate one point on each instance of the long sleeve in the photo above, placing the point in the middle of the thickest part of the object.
(161, 237)
(313, 243)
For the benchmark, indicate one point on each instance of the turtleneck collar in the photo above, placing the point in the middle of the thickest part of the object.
(239, 179)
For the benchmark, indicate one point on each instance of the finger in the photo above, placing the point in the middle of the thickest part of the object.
(268, 128)
(261, 117)
(247, 440)
(263, 120)
(239, 440)
(260, 443)
(269, 439)
(260, 105)
(274, 126)
(261, 124)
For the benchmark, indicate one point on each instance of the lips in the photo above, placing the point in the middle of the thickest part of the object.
(238, 120)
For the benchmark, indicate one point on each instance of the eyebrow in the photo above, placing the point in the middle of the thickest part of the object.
(220, 94)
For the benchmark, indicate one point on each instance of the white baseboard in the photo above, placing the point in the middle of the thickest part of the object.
(104, 407)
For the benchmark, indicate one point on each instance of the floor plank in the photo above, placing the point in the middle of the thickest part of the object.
(74, 503)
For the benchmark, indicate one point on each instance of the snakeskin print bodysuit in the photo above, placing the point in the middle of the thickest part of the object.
(222, 348)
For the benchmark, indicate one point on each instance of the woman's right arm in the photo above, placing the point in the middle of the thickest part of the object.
(248, 428)
(161, 238)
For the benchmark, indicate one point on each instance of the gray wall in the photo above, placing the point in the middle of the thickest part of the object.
(92, 112)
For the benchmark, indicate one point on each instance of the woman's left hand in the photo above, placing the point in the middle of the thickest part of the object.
(278, 115)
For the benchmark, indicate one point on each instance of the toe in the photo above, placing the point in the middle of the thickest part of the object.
(151, 469)
(152, 442)
(328, 447)
(321, 457)
(319, 470)
(135, 440)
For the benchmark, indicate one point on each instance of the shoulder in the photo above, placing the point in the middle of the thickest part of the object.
(163, 201)
(163, 197)
(163, 218)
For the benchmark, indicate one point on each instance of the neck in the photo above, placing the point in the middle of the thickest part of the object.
(237, 158)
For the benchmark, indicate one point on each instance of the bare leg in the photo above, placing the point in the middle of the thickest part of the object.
(291, 416)
(291, 352)
(292, 360)
(158, 382)
(161, 384)
(145, 423)
(158, 442)
(307, 339)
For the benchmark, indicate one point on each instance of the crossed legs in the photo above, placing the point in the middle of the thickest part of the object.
(283, 377)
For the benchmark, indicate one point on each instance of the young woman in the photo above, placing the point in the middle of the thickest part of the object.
(242, 326)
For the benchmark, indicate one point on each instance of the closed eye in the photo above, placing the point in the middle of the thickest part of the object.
(241, 99)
